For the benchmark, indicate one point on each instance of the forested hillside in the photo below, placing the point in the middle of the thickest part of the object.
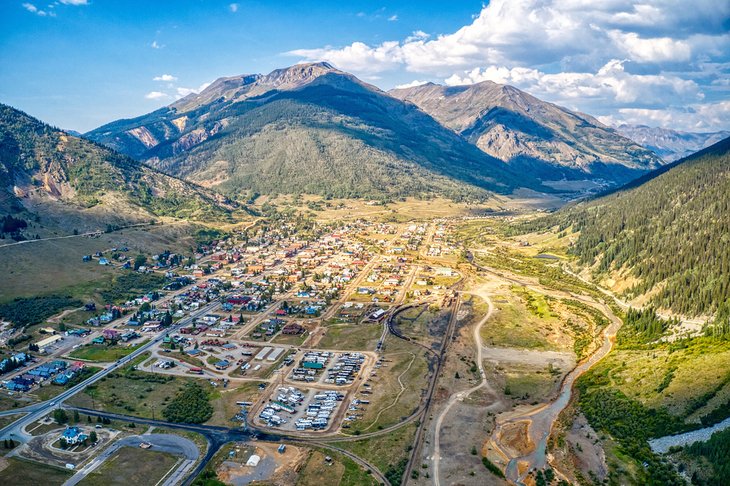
(672, 233)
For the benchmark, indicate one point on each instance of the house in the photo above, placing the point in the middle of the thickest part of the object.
(73, 435)
(111, 334)
(98, 340)
(103, 261)
(292, 329)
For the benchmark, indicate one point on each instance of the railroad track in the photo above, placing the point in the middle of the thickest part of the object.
(448, 336)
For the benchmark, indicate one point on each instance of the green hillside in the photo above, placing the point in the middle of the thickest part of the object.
(41, 163)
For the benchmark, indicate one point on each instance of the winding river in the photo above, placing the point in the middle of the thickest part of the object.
(541, 420)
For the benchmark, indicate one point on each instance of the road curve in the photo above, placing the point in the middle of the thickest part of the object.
(173, 444)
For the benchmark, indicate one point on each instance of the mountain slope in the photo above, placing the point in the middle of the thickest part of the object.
(531, 134)
(309, 128)
(668, 144)
(670, 234)
(41, 166)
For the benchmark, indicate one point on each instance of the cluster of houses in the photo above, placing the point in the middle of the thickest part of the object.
(58, 372)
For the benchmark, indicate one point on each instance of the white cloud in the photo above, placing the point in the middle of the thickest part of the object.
(183, 92)
(41, 13)
(393, 18)
(571, 33)
(156, 45)
(233, 7)
(658, 49)
(612, 85)
(593, 56)
(694, 117)
(412, 84)
(165, 77)
(156, 95)
(74, 2)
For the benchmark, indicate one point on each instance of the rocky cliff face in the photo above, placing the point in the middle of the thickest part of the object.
(527, 132)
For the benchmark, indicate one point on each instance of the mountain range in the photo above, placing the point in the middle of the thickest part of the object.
(669, 144)
(314, 129)
(532, 135)
(311, 128)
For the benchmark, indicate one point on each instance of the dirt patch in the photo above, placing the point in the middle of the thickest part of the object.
(515, 440)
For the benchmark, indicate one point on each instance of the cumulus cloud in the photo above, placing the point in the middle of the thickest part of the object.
(541, 32)
(75, 2)
(609, 55)
(393, 18)
(156, 45)
(165, 77)
(233, 7)
(611, 84)
(156, 95)
(412, 84)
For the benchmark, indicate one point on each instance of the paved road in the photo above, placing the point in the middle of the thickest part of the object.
(173, 444)
(35, 412)
(218, 436)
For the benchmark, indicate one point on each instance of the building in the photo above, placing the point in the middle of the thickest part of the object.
(49, 341)
(73, 435)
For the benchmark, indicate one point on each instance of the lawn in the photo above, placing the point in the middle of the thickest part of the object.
(20, 472)
(102, 353)
(356, 337)
(132, 465)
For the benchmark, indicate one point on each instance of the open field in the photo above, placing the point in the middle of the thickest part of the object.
(29, 473)
(132, 465)
(101, 353)
(356, 337)
(28, 275)
(516, 325)
(671, 378)
(343, 471)
(134, 393)
(389, 453)
(224, 402)
(396, 387)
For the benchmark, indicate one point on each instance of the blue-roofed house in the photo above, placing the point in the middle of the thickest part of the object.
(74, 435)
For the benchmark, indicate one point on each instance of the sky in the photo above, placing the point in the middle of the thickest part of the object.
(78, 64)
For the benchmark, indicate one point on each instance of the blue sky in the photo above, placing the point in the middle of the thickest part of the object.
(81, 63)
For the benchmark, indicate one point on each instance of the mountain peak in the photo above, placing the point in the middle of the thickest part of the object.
(297, 74)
